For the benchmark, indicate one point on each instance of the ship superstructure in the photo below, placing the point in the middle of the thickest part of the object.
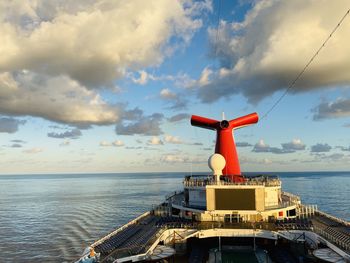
(226, 212)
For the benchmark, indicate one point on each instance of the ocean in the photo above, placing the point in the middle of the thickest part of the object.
(52, 218)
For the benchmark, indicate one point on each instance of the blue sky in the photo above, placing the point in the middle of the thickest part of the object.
(107, 86)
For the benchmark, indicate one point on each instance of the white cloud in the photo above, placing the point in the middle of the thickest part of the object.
(172, 139)
(54, 98)
(105, 144)
(143, 78)
(289, 147)
(118, 143)
(167, 94)
(155, 141)
(33, 150)
(294, 145)
(178, 101)
(264, 53)
(204, 78)
(65, 143)
(266, 161)
(103, 37)
(53, 54)
(261, 146)
(174, 158)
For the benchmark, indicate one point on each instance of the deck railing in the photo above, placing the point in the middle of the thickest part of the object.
(202, 182)
(336, 219)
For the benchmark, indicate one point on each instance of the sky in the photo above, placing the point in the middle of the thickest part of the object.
(109, 86)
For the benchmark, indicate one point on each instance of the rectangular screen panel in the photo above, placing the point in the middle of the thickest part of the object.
(235, 199)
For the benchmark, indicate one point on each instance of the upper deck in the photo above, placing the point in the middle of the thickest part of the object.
(255, 193)
(261, 180)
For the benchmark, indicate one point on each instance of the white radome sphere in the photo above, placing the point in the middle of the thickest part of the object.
(216, 162)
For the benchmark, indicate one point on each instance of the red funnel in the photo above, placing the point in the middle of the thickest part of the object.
(225, 144)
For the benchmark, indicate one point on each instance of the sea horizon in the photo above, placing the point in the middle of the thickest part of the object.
(175, 172)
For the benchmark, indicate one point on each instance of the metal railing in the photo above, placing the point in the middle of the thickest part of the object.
(336, 219)
(199, 182)
(330, 237)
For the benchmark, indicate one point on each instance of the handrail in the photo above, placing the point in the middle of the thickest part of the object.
(204, 182)
(339, 220)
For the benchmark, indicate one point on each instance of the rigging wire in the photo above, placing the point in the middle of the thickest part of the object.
(291, 85)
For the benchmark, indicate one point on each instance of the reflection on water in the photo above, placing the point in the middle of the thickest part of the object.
(52, 218)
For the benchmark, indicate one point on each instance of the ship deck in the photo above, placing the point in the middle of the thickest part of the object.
(138, 236)
(131, 240)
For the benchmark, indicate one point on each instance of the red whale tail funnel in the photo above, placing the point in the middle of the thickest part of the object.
(225, 144)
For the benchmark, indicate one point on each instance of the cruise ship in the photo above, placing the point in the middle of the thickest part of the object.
(224, 216)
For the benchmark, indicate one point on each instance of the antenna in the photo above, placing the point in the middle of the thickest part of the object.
(223, 116)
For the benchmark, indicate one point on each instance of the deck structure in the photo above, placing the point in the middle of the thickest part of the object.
(137, 240)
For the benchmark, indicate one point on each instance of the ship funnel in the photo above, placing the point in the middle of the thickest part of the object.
(225, 144)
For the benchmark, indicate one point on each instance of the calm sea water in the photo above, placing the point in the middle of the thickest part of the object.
(52, 218)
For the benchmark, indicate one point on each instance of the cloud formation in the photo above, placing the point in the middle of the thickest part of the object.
(179, 117)
(290, 147)
(58, 99)
(329, 110)
(172, 139)
(177, 101)
(10, 125)
(174, 158)
(16, 145)
(262, 147)
(167, 94)
(143, 78)
(72, 134)
(33, 150)
(54, 57)
(294, 145)
(116, 143)
(346, 149)
(155, 141)
(144, 125)
(243, 144)
(263, 53)
(334, 157)
(321, 147)
(65, 143)
(96, 34)
(18, 141)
